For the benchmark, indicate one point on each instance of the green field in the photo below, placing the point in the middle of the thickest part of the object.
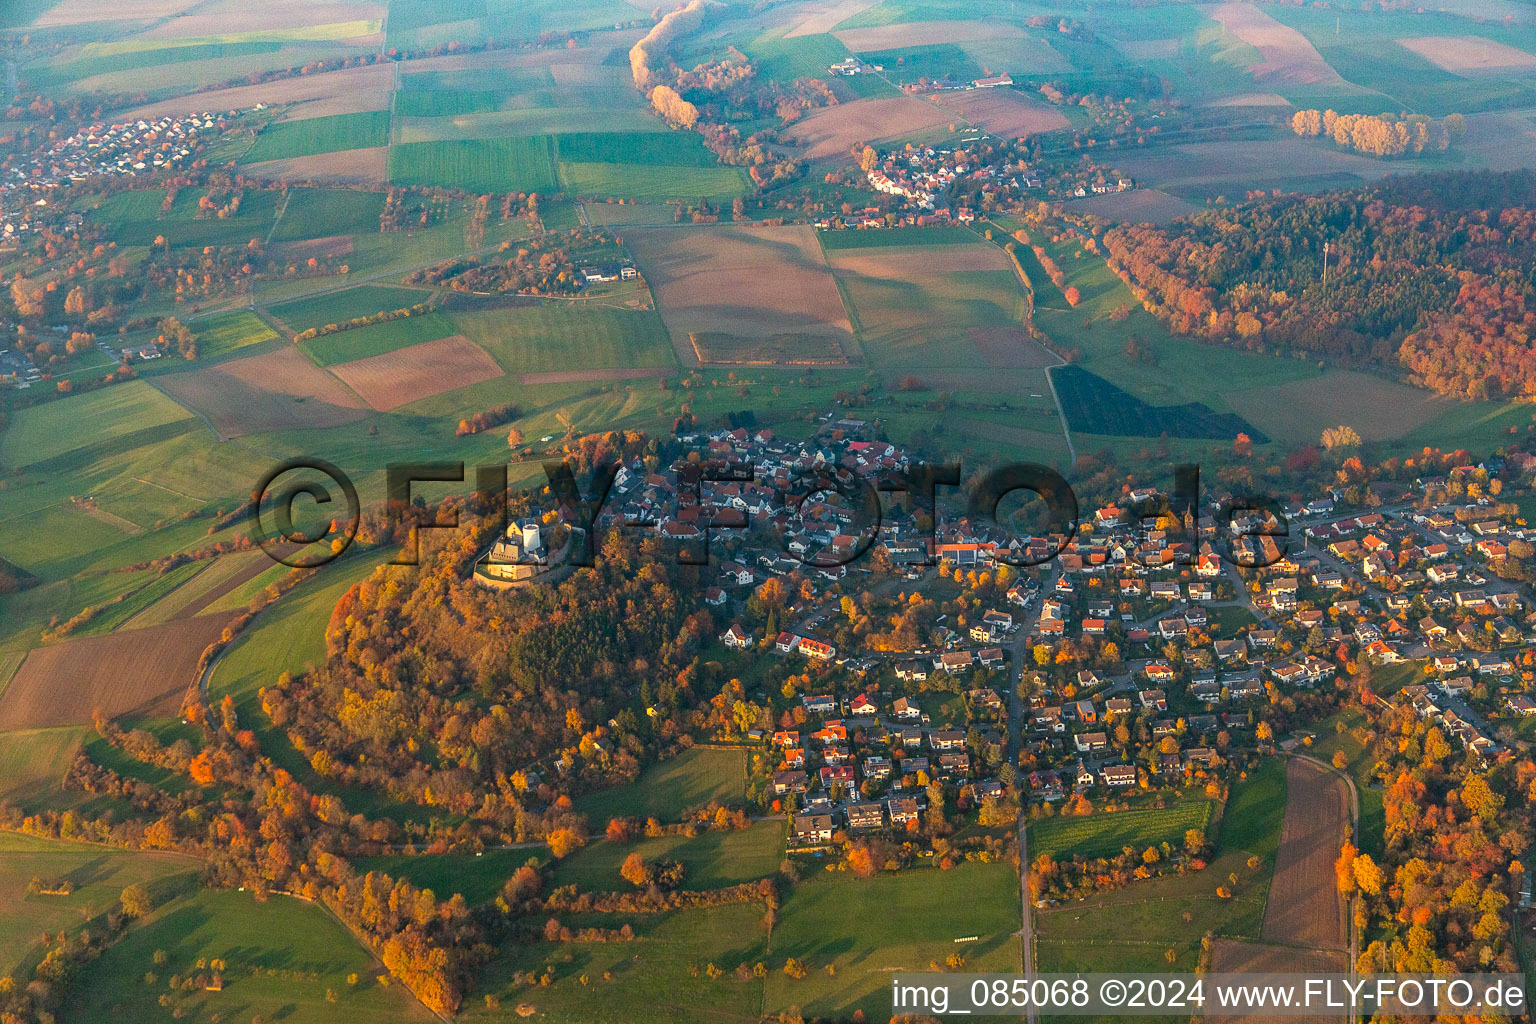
(651, 183)
(713, 859)
(659, 978)
(323, 212)
(477, 165)
(282, 956)
(884, 238)
(671, 149)
(576, 336)
(338, 307)
(376, 339)
(1104, 835)
(865, 927)
(1131, 929)
(222, 334)
(444, 102)
(476, 877)
(137, 220)
(99, 873)
(286, 139)
(936, 63)
(669, 789)
(82, 423)
(49, 76)
(32, 766)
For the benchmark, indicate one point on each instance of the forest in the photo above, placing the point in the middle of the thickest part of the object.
(1429, 274)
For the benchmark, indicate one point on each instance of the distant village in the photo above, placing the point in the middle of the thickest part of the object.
(27, 180)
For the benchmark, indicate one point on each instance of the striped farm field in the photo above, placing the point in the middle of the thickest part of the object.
(1104, 835)
(476, 165)
(287, 139)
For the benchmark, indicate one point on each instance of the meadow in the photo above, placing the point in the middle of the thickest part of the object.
(864, 927)
(338, 307)
(1133, 928)
(285, 139)
(714, 859)
(99, 874)
(668, 790)
(608, 983)
(325, 212)
(284, 960)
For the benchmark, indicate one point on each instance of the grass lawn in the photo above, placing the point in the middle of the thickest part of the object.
(713, 859)
(667, 790)
(865, 927)
(282, 957)
(285, 139)
(376, 339)
(568, 336)
(347, 304)
(1104, 835)
(99, 874)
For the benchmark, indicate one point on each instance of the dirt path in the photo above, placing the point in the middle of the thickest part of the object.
(1304, 928)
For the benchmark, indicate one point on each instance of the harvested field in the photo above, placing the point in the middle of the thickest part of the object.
(1461, 55)
(349, 91)
(1288, 57)
(829, 16)
(1228, 955)
(1005, 112)
(923, 33)
(745, 282)
(1138, 206)
(80, 12)
(1304, 908)
(347, 167)
(1010, 348)
(832, 131)
(1297, 412)
(405, 375)
(279, 390)
(141, 672)
(1251, 99)
(529, 380)
(1249, 164)
(916, 304)
(290, 17)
